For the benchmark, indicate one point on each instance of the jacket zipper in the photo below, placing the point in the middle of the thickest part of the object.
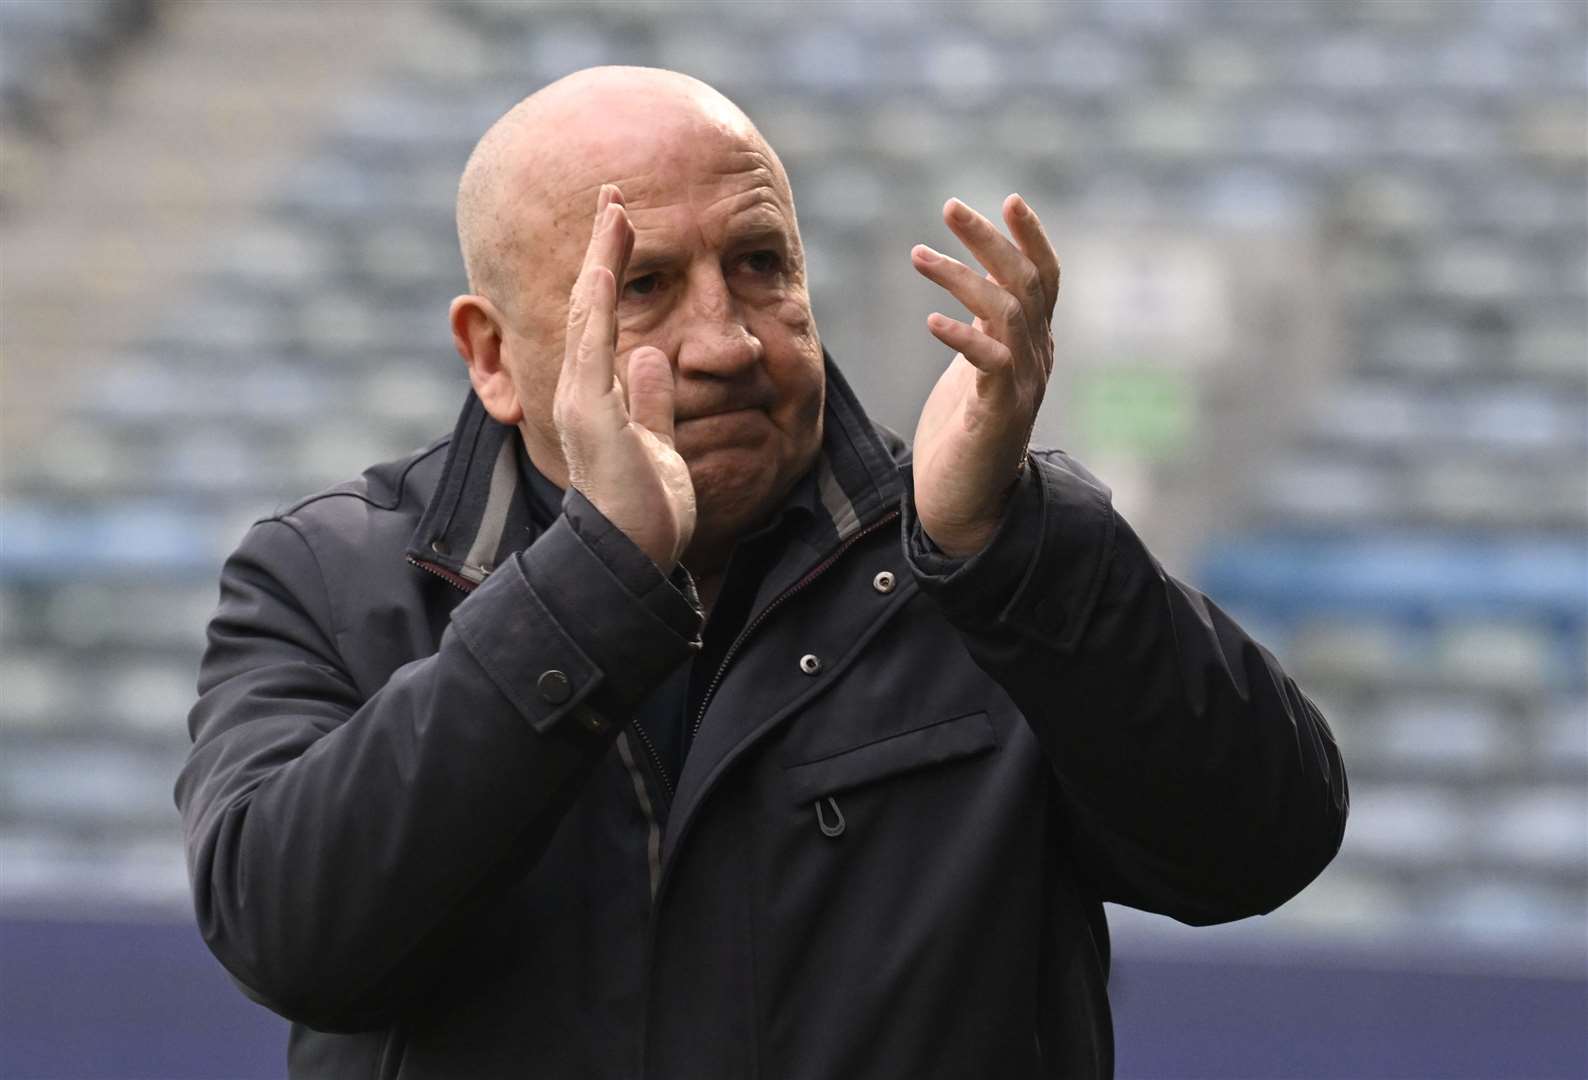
(457, 581)
(716, 680)
(777, 602)
(656, 758)
(711, 690)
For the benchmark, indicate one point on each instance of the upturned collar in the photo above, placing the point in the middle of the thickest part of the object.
(478, 515)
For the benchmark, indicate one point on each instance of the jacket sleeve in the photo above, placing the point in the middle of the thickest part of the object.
(1200, 782)
(335, 839)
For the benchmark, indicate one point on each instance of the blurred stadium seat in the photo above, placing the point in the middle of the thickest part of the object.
(1414, 546)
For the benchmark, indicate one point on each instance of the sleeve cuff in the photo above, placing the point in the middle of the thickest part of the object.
(560, 631)
(671, 598)
(982, 583)
(1044, 567)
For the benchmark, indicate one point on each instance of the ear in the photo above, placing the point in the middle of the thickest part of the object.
(477, 332)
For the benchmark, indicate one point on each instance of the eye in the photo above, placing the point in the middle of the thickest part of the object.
(644, 285)
(763, 262)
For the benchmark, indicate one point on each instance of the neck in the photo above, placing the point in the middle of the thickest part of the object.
(547, 459)
(707, 562)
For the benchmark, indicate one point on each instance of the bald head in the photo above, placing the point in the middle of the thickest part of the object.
(585, 129)
(713, 277)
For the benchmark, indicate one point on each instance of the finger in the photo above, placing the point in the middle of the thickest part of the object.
(651, 391)
(579, 298)
(605, 198)
(615, 198)
(611, 234)
(996, 252)
(594, 362)
(1026, 228)
(611, 241)
(982, 296)
(985, 352)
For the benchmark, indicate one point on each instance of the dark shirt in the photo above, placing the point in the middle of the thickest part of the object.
(668, 716)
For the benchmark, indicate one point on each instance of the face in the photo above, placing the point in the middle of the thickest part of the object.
(717, 282)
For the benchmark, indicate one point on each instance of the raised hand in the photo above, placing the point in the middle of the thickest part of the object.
(976, 425)
(619, 452)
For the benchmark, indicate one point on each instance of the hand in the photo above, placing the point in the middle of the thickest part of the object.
(620, 454)
(971, 440)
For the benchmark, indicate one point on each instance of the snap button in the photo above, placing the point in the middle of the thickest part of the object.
(883, 582)
(554, 686)
(810, 663)
(438, 546)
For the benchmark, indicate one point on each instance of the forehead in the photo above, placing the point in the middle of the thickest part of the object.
(701, 176)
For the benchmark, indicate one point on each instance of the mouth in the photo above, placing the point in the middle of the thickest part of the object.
(716, 414)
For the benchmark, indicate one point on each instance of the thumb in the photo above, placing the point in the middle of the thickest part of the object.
(651, 391)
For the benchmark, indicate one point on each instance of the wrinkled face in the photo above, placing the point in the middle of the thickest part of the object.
(717, 282)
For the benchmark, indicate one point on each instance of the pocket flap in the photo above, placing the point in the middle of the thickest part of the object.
(946, 740)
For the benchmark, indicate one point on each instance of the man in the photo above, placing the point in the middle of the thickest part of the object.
(477, 791)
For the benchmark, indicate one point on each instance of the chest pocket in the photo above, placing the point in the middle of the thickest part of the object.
(933, 744)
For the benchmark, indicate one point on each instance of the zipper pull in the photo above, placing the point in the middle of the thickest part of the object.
(836, 829)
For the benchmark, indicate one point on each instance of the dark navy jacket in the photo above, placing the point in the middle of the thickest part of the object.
(420, 825)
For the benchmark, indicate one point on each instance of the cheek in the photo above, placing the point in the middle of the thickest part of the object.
(788, 334)
(534, 366)
(787, 330)
(794, 362)
(795, 318)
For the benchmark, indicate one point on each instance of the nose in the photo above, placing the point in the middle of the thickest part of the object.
(715, 340)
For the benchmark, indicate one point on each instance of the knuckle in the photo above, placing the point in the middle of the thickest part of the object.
(1011, 309)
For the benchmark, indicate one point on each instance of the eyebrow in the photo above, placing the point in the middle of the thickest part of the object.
(642, 263)
(754, 234)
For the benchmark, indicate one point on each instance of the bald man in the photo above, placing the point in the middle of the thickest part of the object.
(671, 719)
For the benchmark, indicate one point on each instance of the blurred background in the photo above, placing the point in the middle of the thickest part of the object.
(1324, 329)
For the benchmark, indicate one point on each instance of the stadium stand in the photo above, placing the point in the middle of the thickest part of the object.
(1414, 546)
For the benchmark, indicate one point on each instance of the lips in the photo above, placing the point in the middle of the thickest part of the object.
(715, 412)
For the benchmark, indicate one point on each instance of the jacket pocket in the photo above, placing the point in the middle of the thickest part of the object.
(935, 744)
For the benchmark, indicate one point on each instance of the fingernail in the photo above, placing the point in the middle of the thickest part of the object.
(1020, 205)
(926, 254)
(959, 210)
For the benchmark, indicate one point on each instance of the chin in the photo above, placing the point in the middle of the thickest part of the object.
(734, 488)
(742, 468)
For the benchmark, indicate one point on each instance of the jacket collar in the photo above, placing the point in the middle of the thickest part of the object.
(478, 515)
(545, 498)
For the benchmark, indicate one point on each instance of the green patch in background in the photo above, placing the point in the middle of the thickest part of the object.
(1147, 412)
